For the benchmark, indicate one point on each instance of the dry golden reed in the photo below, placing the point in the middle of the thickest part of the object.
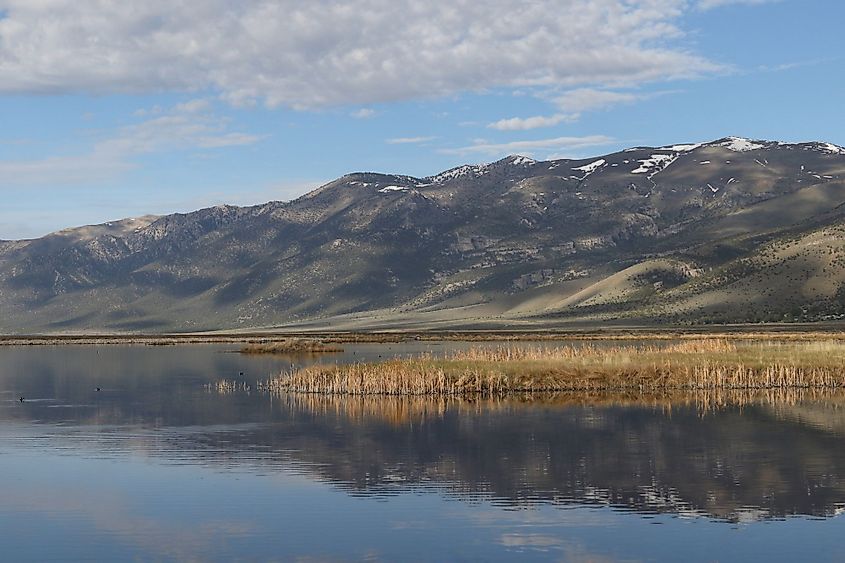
(699, 365)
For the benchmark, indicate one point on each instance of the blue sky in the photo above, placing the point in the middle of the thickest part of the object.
(109, 110)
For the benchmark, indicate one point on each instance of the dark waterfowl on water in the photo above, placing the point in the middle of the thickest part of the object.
(21, 399)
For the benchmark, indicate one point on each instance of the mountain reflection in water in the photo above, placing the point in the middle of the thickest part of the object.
(731, 457)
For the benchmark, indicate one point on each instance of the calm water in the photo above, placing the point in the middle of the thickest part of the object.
(156, 467)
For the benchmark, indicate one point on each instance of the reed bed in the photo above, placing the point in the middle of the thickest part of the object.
(290, 346)
(691, 365)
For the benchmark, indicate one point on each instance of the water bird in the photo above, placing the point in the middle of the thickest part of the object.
(98, 389)
(21, 399)
(241, 373)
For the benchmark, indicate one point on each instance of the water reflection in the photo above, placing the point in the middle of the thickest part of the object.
(726, 456)
(681, 456)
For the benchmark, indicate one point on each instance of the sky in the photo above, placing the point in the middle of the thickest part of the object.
(112, 109)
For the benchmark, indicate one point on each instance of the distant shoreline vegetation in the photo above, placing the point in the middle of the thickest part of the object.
(291, 346)
(693, 365)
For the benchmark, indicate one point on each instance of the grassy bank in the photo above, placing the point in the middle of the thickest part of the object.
(703, 364)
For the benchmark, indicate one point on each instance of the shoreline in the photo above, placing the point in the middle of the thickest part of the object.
(733, 332)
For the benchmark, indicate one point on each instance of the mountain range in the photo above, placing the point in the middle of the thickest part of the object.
(729, 231)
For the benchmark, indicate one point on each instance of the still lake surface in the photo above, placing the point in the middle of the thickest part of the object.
(155, 466)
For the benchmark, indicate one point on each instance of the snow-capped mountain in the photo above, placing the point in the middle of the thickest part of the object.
(729, 230)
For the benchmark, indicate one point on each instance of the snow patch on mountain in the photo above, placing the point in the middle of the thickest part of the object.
(592, 167)
(683, 148)
(588, 169)
(740, 144)
(654, 164)
(467, 170)
(829, 148)
(520, 160)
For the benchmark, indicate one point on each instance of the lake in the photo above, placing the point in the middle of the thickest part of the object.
(159, 465)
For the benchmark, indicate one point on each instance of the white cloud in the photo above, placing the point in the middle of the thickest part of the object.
(185, 127)
(571, 105)
(173, 131)
(226, 140)
(313, 54)
(193, 106)
(525, 123)
(363, 113)
(409, 140)
(710, 4)
(782, 67)
(541, 147)
(590, 99)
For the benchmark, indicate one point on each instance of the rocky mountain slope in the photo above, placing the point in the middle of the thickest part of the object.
(728, 231)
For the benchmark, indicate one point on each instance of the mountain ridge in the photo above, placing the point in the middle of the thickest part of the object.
(823, 146)
(512, 242)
